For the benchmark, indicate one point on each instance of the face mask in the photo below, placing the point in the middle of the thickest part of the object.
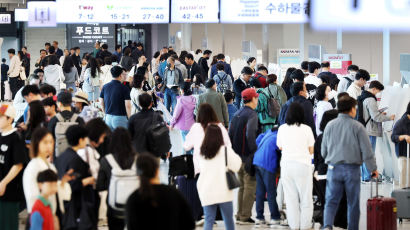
(169, 65)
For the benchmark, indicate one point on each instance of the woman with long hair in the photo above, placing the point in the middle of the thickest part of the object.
(41, 151)
(70, 73)
(213, 189)
(296, 141)
(36, 118)
(123, 153)
(206, 115)
(287, 82)
(153, 205)
(92, 81)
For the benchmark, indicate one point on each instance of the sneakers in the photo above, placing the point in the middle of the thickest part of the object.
(259, 223)
(247, 222)
(274, 223)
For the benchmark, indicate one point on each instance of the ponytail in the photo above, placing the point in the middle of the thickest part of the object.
(147, 167)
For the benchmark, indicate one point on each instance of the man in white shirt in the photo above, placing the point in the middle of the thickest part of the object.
(314, 68)
(14, 72)
(361, 78)
(346, 81)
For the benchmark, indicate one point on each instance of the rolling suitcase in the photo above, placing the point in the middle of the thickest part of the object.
(403, 195)
(188, 189)
(381, 211)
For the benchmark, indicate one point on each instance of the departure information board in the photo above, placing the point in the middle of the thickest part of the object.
(194, 11)
(115, 12)
(264, 11)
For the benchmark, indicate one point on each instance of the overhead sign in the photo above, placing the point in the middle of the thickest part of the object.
(360, 15)
(21, 15)
(115, 12)
(287, 58)
(41, 14)
(5, 18)
(194, 11)
(264, 11)
(86, 35)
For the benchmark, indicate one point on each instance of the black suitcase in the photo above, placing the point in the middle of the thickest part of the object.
(188, 189)
(402, 196)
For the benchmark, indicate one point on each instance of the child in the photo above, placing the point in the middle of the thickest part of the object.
(41, 215)
(12, 158)
(229, 101)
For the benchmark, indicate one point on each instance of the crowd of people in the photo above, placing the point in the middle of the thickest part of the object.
(76, 127)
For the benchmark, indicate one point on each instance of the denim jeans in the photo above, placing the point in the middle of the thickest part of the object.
(114, 121)
(227, 215)
(338, 177)
(170, 99)
(266, 183)
(366, 175)
(184, 133)
(95, 94)
(72, 85)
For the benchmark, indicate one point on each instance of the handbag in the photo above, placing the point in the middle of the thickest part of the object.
(22, 73)
(231, 178)
(182, 166)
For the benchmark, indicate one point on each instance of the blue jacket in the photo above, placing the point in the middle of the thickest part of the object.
(227, 70)
(161, 69)
(266, 156)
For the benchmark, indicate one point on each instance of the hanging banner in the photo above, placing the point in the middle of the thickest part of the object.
(287, 58)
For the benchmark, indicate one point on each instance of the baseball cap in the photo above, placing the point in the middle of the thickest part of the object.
(249, 93)
(7, 110)
(65, 98)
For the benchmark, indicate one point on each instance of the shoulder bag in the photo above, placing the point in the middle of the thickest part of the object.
(231, 178)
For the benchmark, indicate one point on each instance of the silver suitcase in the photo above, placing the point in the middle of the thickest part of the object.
(402, 196)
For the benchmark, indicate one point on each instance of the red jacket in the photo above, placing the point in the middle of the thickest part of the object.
(41, 215)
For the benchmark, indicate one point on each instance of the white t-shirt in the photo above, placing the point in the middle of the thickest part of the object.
(295, 142)
(321, 108)
(354, 91)
(313, 79)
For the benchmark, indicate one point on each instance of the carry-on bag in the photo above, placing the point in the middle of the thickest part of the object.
(403, 195)
(381, 211)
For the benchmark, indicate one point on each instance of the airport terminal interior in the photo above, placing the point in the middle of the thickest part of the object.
(204, 114)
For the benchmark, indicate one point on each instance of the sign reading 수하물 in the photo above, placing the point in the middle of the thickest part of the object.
(86, 35)
(264, 11)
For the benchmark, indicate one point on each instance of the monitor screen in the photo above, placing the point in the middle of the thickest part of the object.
(194, 11)
(360, 15)
(109, 11)
(263, 11)
(21, 15)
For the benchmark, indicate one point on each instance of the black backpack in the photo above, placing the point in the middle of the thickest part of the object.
(273, 105)
(158, 138)
(360, 108)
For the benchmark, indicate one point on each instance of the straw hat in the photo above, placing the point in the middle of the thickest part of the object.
(81, 97)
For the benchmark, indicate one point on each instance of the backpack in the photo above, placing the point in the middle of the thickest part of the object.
(360, 112)
(222, 86)
(349, 82)
(61, 127)
(273, 106)
(122, 184)
(158, 140)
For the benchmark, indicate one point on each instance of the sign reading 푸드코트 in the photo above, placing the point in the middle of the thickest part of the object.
(264, 11)
(115, 12)
(86, 35)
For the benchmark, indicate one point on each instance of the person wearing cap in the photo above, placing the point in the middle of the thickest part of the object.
(241, 84)
(216, 100)
(12, 158)
(83, 107)
(64, 100)
(115, 100)
(244, 144)
(299, 95)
